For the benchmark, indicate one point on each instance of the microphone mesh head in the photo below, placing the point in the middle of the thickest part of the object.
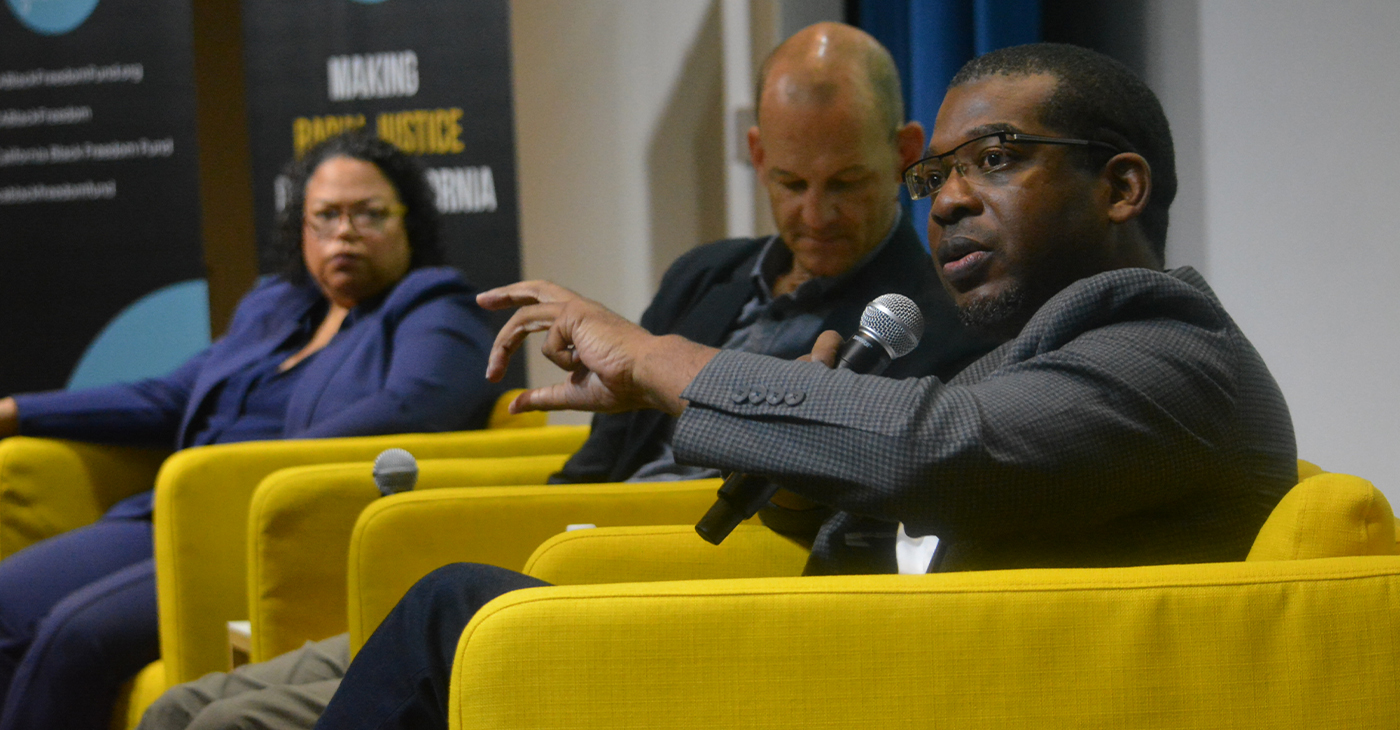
(395, 470)
(894, 320)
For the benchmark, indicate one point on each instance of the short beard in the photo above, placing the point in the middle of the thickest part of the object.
(1002, 315)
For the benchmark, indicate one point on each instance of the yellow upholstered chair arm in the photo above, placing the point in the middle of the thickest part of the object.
(138, 694)
(668, 552)
(202, 501)
(1325, 516)
(1281, 644)
(299, 529)
(401, 538)
(299, 525)
(1307, 469)
(50, 486)
(501, 417)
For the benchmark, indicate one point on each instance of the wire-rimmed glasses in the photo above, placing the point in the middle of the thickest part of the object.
(979, 160)
(364, 218)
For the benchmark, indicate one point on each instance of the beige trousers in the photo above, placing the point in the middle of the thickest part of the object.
(286, 693)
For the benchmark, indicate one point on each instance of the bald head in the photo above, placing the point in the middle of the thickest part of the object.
(827, 63)
(830, 147)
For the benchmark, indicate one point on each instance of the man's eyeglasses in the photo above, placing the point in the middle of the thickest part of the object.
(325, 222)
(981, 161)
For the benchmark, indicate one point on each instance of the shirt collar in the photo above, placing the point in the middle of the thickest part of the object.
(776, 259)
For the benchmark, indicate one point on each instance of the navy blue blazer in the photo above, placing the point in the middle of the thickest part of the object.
(411, 360)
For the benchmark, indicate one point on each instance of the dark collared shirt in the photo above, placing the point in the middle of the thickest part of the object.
(784, 326)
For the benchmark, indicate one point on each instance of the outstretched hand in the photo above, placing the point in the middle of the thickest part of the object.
(613, 365)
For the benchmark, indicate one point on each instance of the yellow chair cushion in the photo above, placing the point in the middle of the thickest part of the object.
(1328, 515)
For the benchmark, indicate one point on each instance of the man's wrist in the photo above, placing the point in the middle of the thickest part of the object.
(667, 366)
(9, 417)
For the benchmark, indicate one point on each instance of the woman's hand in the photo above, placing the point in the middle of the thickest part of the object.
(9, 417)
(613, 364)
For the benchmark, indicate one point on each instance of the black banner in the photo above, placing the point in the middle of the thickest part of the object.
(98, 180)
(432, 76)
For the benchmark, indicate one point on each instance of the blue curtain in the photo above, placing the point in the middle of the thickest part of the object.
(931, 39)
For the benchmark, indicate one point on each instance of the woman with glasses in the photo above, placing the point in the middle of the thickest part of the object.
(362, 332)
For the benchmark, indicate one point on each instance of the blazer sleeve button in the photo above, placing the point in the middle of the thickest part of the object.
(794, 397)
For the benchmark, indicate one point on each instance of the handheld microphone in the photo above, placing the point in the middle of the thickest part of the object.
(890, 327)
(395, 470)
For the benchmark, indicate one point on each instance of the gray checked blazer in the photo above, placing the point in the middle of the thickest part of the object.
(1129, 423)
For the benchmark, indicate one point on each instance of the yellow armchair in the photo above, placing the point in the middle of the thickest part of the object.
(1266, 643)
(203, 498)
(299, 527)
(401, 538)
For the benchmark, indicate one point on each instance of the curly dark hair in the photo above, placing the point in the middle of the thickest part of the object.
(420, 220)
(1101, 99)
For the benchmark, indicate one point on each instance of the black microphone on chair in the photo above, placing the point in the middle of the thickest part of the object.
(890, 327)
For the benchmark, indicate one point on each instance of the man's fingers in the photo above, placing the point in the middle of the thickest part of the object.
(534, 318)
(572, 395)
(523, 293)
(559, 348)
(537, 399)
(825, 348)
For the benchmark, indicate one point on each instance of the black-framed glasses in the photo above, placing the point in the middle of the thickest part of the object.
(325, 222)
(981, 161)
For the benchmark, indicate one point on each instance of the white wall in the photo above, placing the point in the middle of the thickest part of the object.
(1300, 175)
(627, 140)
(619, 137)
(1283, 114)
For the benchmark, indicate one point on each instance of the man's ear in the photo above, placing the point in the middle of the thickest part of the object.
(755, 148)
(1129, 180)
(909, 139)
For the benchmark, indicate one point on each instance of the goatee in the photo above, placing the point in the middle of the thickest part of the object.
(1002, 315)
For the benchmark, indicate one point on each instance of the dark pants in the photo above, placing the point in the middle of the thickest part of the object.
(400, 678)
(77, 620)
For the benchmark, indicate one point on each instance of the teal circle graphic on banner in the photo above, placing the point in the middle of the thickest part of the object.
(51, 17)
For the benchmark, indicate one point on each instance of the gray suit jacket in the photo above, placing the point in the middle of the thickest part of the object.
(701, 297)
(1130, 422)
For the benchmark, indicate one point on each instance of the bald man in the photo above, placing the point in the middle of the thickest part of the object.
(830, 148)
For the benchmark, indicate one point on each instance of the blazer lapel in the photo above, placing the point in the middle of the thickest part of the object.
(710, 319)
(232, 355)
